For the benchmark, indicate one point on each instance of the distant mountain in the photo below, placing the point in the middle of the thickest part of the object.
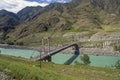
(8, 20)
(76, 15)
(112, 6)
(29, 13)
(89, 16)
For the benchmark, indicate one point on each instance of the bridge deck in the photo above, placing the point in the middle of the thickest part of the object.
(44, 56)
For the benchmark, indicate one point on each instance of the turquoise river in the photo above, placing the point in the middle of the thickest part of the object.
(100, 61)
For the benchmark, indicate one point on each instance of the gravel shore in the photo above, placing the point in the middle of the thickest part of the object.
(5, 77)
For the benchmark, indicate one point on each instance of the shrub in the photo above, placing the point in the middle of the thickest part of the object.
(76, 63)
(85, 58)
(117, 64)
(117, 48)
(20, 43)
(10, 43)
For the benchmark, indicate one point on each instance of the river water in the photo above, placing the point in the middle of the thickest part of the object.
(100, 61)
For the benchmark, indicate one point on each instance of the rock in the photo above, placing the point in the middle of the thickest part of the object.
(5, 77)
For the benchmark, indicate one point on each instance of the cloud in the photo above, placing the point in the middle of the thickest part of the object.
(51, 1)
(17, 5)
(62, 1)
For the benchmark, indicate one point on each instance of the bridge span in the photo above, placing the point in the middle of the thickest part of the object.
(47, 56)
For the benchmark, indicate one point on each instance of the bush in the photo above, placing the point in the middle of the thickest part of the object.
(117, 64)
(85, 58)
(10, 43)
(76, 63)
(117, 48)
(2, 42)
(20, 43)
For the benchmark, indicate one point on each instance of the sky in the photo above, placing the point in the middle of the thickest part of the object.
(17, 5)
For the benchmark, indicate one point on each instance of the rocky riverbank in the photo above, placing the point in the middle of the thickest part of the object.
(99, 51)
(19, 47)
(40, 48)
(5, 77)
(90, 51)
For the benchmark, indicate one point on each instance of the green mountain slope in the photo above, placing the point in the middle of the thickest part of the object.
(8, 20)
(111, 6)
(89, 16)
(29, 13)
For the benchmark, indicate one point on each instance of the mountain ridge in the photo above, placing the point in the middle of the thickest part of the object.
(8, 20)
(89, 16)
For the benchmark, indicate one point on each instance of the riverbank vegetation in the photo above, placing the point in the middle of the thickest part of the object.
(117, 64)
(22, 69)
(117, 48)
(85, 58)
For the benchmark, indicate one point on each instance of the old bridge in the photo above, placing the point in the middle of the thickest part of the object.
(47, 56)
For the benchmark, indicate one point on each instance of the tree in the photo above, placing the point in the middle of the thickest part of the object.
(116, 47)
(76, 63)
(117, 64)
(20, 43)
(85, 58)
(10, 42)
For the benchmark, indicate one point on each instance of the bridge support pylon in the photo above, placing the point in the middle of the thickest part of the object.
(77, 49)
(49, 59)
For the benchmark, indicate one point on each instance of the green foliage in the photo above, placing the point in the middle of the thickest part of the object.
(2, 42)
(117, 64)
(22, 69)
(76, 63)
(20, 43)
(117, 48)
(9, 42)
(85, 58)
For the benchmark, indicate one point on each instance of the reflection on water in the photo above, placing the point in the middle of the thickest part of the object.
(101, 61)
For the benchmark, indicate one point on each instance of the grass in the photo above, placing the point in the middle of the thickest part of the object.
(22, 69)
(110, 28)
(56, 37)
(26, 70)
